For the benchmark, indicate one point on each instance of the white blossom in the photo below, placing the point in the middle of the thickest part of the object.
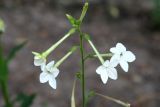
(107, 70)
(49, 74)
(122, 56)
(39, 60)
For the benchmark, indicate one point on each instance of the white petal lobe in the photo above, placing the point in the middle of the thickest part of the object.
(100, 69)
(114, 50)
(124, 65)
(106, 63)
(114, 63)
(112, 73)
(52, 83)
(129, 56)
(115, 58)
(50, 66)
(55, 72)
(120, 47)
(44, 77)
(104, 77)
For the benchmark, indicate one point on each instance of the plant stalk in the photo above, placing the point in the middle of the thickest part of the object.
(5, 94)
(84, 10)
(82, 67)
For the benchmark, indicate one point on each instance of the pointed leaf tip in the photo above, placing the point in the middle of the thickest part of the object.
(73, 103)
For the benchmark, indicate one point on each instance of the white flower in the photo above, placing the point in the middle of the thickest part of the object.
(39, 60)
(122, 56)
(49, 74)
(107, 70)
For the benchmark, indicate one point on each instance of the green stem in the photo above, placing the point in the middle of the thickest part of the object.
(74, 48)
(85, 7)
(108, 55)
(82, 66)
(47, 52)
(5, 94)
(96, 51)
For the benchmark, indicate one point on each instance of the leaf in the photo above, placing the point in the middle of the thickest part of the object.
(15, 50)
(3, 66)
(73, 104)
(124, 104)
(73, 21)
(2, 26)
(3, 69)
(25, 100)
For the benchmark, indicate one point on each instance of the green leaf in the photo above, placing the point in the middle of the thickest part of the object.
(73, 21)
(25, 100)
(3, 69)
(15, 50)
(84, 11)
(122, 103)
(2, 26)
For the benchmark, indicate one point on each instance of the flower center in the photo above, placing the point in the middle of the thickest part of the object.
(121, 54)
(49, 72)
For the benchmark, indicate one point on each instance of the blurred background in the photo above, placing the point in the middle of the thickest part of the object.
(135, 23)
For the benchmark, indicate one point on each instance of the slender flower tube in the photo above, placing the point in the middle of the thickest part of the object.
(104, 55)
(47, 52)
(74, 48)
(94, 48)
(40, 59)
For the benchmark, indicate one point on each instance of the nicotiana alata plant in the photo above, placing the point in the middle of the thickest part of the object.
(118, 55)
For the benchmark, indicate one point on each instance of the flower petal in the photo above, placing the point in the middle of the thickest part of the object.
(38, 61)
(114, 50)
(112, 73)
(115, 58)
(114, 63)
(106, 63)
(55, 72)
(100, 69)
(50, 66)
(52, 83)
(43, 67)
(120, 47)
(104, 77)
(128, 56)
(44, 77)
(124, 65)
